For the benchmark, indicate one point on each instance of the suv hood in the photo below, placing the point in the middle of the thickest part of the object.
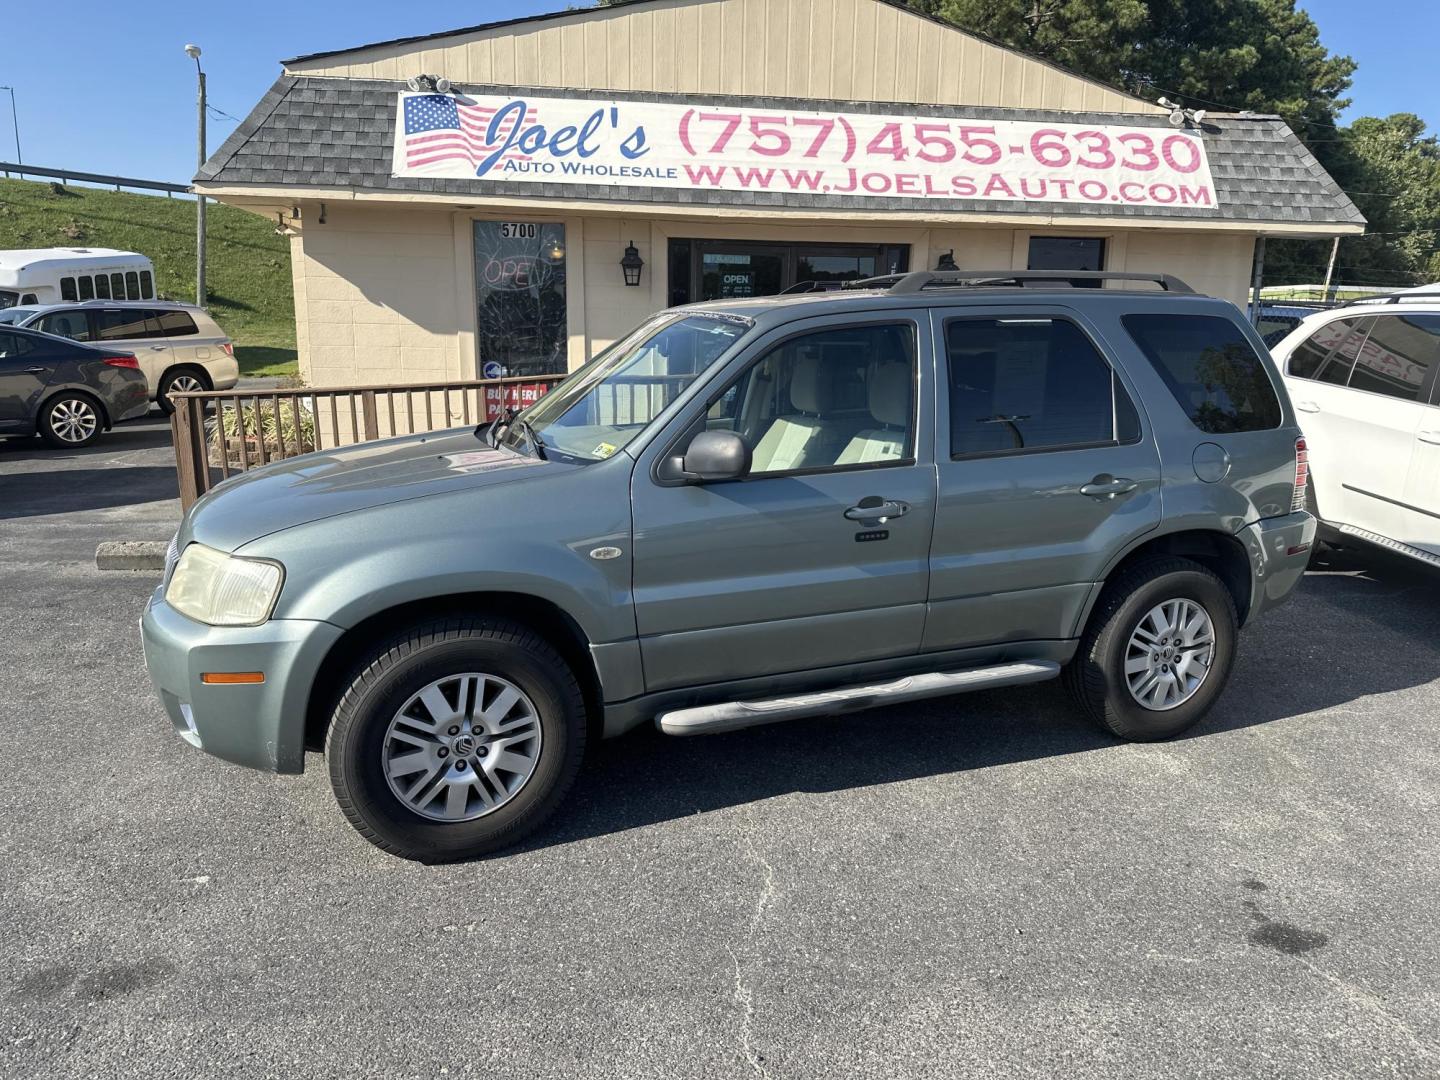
(333, 482)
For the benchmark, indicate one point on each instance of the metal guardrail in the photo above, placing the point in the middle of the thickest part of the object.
(222, 432)
(117, 182)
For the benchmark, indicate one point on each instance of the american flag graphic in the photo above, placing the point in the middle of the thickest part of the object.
(440, 129)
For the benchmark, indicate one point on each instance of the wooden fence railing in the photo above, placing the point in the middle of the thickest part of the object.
(222, 432)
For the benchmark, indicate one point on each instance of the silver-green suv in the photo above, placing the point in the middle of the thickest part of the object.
(744, 512)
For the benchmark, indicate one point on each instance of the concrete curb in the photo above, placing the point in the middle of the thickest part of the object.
(131, 555)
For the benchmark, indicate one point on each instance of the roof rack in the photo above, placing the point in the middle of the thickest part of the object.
(1432, 295)
(1060, 279)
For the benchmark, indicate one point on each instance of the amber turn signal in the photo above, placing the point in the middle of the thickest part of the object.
(231, 678)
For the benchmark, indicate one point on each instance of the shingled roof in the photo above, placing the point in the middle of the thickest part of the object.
(338, 133)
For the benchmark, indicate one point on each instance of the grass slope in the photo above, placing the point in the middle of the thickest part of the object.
(247, 265)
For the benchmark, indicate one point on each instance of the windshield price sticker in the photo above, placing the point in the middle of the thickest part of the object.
(648, 144)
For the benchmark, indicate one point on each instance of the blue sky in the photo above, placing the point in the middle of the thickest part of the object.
(108, 88)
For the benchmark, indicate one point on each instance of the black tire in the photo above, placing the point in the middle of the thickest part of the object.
(400, 668)
(167, 383)
(57, 419)
(1096, 676)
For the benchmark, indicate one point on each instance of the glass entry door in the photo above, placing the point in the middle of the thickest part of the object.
(735, 269)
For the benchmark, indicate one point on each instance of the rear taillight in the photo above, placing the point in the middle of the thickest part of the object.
(229, 349)
(122, 361)
(1302, 474)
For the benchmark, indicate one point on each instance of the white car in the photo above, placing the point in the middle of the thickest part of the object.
(1363, 379)
(179, 346)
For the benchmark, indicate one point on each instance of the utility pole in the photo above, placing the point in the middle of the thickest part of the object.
(15, 120)
(1330, 270)
(193, 51)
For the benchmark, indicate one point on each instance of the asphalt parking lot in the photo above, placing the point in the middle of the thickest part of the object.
(980, 886)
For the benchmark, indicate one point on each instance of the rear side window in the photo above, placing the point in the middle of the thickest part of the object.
(1019, 385)
(1211, 368)
(67, 288)
(126, 324)
(117, 286)
(87, 287)
(147, 287)
(102, 287)
(13, 345)
(132, 285)
(175, 323)
(1397, 356)
(1328, 354)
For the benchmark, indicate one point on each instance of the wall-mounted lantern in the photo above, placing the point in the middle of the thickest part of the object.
(632, 264)
(947, 261)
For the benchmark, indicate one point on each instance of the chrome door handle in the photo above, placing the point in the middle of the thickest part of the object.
(874, 508)
(1106, 486)
(159, 348)
(1306, 406)
(36, 370)
(1430, 437)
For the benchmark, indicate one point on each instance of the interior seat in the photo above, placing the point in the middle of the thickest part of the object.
(790, 441)
(888, 389)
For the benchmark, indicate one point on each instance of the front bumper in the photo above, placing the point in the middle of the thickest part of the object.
(260, 725)
(1279, 550)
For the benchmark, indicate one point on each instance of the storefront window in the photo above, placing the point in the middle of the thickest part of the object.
(1068, 253)
(520, 315)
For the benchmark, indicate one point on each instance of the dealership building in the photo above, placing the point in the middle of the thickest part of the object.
(508, 199)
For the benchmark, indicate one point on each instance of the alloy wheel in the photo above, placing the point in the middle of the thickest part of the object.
(462, 747)
(1169, 654)
(73, 420)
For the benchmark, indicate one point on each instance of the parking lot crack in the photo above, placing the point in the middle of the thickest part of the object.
(744, 991)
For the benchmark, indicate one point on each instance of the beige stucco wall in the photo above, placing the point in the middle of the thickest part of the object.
(386, 294)
(859, 50)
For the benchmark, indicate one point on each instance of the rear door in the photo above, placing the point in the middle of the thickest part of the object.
(777, 572)
(24, 372)
(136, 330)
(1046, 469)
(1366, 407)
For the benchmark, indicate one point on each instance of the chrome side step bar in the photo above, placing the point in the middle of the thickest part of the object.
(733, 715)
(1385, 542)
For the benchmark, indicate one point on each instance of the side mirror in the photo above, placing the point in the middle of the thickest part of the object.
(711, 455)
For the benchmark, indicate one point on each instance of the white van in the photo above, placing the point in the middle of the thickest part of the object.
(57, 275)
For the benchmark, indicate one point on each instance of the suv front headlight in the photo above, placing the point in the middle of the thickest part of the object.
(223, 590)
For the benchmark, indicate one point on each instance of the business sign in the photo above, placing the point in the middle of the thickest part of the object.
(586, 143)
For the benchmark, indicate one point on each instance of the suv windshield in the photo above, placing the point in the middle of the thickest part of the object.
(598, 410)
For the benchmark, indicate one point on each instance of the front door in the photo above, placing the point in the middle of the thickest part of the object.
(1045, 472)
(784, 570)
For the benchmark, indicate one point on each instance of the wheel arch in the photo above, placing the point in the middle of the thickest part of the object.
(545, 617)
(193, 367)
(51, 392)
(1219, 552)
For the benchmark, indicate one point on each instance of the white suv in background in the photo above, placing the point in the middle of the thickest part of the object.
(1363, 379)
(179, 346)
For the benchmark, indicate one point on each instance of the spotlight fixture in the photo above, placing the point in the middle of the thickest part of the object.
(428, 84)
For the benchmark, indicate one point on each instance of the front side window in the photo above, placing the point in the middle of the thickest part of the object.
(74, 325)
(843, 397)
(1397, 356)
(1025, 384)
(1211, 368)
(125, 324)
(1328, 354)
(597, 411)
